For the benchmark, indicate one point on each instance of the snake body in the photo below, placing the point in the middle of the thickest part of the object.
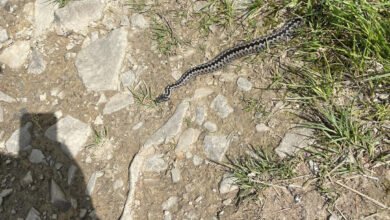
(227, 56)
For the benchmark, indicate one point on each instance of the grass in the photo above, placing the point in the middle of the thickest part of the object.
(254, 172)
(344, 63)
(99, 137)
(61, 3)
(143, 95)
(163, 35)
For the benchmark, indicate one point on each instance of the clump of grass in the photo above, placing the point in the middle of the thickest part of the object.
(143, 95)
(163, 34)
(253, 106)
(343, 143)
(217, 12)
(100, 137)
(254, 172)
(61, 3)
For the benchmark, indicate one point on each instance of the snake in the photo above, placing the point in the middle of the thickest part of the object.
(227, 56)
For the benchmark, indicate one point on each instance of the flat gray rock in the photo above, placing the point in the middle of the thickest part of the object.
(171, 128)
(36, 156)
(200, 115)
(57, 197)
(99, 63)
(1, 114)
(92, 182)
(128, 78)
(175, 174)
(77, 15)
(170, 203)
(43, 16)
(294, 140)
(71, 133)
(15, 55)
(227, 184)
(33, 214)
(27, 179)
(202, 92)
(71, 172)
(188, 138)
(37, 63)
(244, 84)
(19, 140)
(210, 126)
(221, 106)
(3, 35)
(139, 21)
(118, 102)
(155, 163)
(6, 98)
(215, 147)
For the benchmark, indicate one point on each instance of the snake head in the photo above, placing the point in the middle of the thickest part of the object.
(161, 98)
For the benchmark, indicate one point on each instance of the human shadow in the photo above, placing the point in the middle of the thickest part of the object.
(43, 181)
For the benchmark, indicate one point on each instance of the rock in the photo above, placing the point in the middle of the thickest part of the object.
(167, 215)
(243, 84)
(44, 17)
(202, 92)
(71, 172)
(83, 213)
(200, 115)
(188, 138)
(28, 12)
(19, 140)
(3, 2)
(92, 182)
(15, 55)
(294, 140)
(199, 5)
(216, 147)
(33, 214)
(1, 114)
(196, 160)
(98, 120)
(128, 78)
(175, 173)
(118, 102)
(139, 21)
(262, 128)
(221, 106)
(155, 164)
(36, 156)
(102, 99)
(334, 216)
(37, 63)
(227, 184)
(210, 126)
(3, 35)
(77, 15)
(27, 179)
(6, 98)
(5, 192)
(118, 184)
(71, 133)
(171, 128)
(138, 125)
(170, 203)
(57, 197)
(99, 63)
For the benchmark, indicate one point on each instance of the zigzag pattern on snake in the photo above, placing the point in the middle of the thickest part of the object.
(231, 54)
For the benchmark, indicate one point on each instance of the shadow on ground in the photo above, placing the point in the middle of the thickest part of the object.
(42, 179)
